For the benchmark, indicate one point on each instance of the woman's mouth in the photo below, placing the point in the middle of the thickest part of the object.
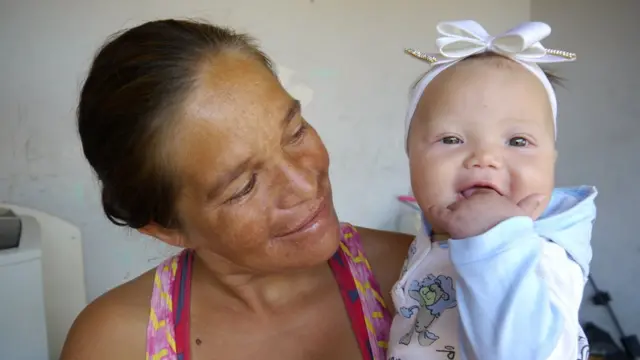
(318, 213)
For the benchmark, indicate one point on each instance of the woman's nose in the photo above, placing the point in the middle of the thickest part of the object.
(298, 184)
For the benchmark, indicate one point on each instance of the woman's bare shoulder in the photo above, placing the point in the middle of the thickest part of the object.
(383, 239)
(113, 326)
(386, 252)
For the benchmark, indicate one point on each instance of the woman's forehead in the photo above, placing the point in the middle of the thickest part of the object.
(235, 87)
(234, 112)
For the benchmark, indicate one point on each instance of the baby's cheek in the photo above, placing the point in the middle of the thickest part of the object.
(532, 180)
(419, 176)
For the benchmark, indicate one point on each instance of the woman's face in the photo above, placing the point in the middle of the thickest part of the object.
(254, 186)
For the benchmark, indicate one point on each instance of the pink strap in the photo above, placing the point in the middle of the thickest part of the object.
(377, 316)
(161, 344)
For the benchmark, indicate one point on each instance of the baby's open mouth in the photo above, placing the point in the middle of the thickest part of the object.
(466, 193)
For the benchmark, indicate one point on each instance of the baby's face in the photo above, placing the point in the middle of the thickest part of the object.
(482, 123)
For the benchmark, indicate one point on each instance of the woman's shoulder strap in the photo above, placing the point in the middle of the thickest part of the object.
(161, 329)
(377, 316)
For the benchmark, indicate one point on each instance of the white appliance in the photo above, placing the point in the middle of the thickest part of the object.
(23, 331)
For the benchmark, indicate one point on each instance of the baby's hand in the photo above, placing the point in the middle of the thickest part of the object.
(480, 212)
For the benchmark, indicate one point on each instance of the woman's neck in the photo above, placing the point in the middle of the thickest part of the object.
(246, 290)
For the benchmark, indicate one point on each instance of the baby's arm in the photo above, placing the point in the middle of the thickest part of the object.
(518, 293)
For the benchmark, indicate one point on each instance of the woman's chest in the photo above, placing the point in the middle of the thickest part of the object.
(289, 347)
(326, 337)
(323, 333)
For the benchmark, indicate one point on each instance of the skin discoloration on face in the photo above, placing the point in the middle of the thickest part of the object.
(254, 186)
(482, 122)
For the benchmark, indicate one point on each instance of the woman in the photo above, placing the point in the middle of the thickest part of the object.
(196, 143)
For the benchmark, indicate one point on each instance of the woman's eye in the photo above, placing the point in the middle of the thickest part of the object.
(518, 142)
(299, 134)
(451, 140)
(245, 189)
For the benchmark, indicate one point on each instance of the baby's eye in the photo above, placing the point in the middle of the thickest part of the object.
(451, 140)
(518, 142)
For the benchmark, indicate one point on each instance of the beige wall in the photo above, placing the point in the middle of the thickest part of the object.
(349, 53)
(346, 56)
(599, 125)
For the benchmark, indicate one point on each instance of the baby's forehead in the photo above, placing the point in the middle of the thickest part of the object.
(485, 74)
(497, 100)
(481, 88)
(444, 122)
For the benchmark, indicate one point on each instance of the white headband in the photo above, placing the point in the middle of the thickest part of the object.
(462, 39)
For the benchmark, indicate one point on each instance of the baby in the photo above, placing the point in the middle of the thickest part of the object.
(499, 268)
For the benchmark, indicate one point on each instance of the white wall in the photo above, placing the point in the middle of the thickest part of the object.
(350, 53)
(599, 125)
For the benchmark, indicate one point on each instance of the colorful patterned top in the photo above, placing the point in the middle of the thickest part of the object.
(168, 328)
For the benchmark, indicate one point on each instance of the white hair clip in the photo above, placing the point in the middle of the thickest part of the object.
(461, 39)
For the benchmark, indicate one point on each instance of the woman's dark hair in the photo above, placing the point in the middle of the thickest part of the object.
(137, 82)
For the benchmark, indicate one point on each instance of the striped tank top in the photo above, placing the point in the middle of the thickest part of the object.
(168, 328)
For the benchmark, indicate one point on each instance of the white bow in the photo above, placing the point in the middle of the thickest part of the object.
(461, 39)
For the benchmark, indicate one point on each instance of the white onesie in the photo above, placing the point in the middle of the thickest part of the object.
(511, 293)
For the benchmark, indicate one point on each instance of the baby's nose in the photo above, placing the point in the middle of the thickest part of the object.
(484, 158)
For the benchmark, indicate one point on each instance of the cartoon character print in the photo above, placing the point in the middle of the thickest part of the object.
(434, 295)
(583, 348)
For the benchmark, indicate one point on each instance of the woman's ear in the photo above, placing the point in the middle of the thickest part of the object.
(173, 237)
